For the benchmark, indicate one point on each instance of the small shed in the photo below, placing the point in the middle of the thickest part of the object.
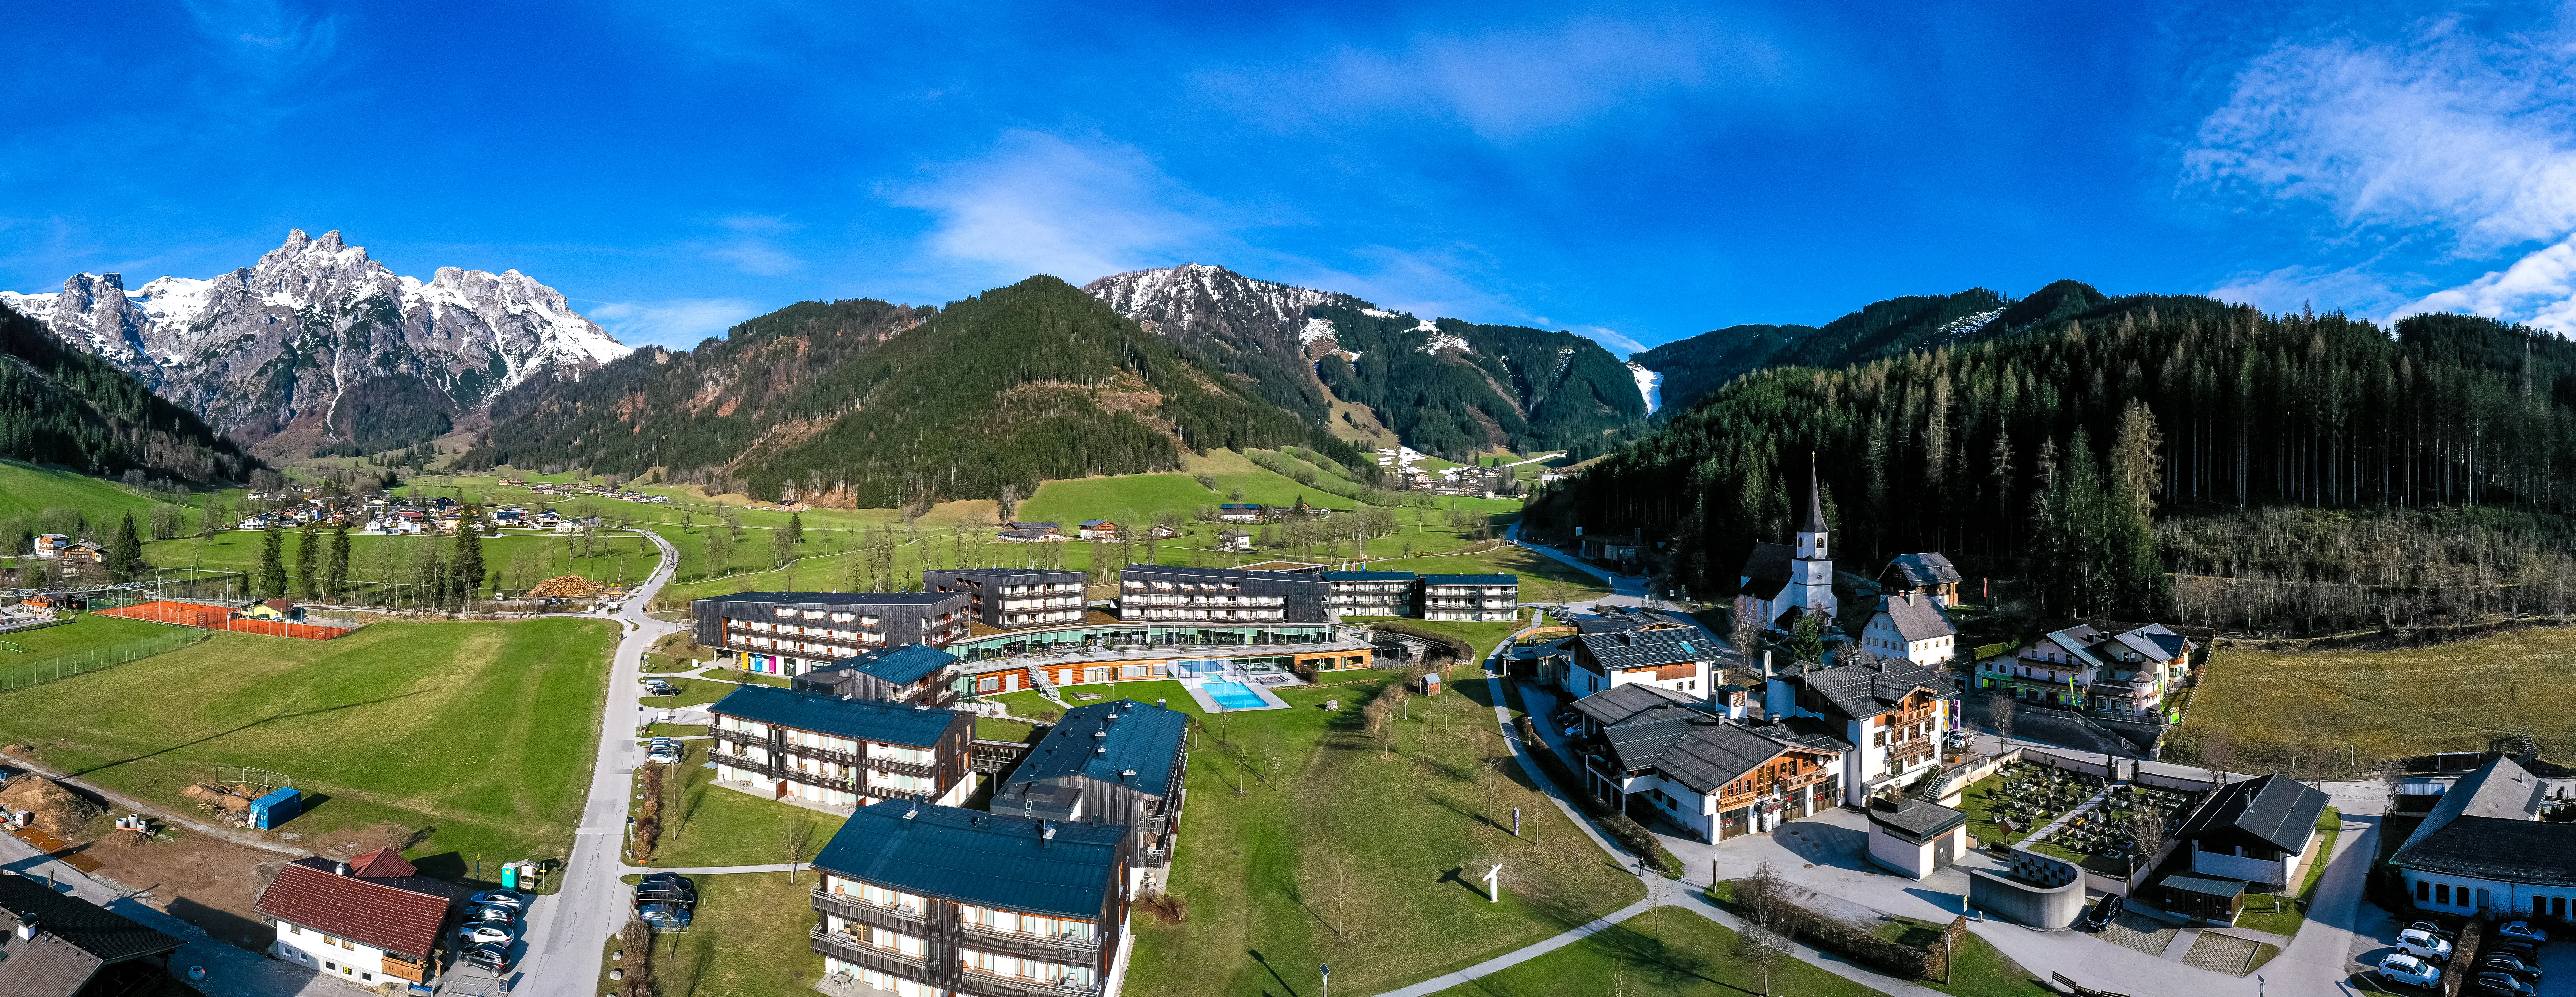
(276, 808)
(2216, 899)
(1916, 837)
(1430, 683)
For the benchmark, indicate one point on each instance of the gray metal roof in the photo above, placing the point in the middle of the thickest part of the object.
(852, 718)
(2488, 826)
(973, 857)
(2275, 809)
(820, 599)
(2214, 886)
(1766, 569)
(1869, 688)
(106, 936)
(1918, 618)
(1471, 579)
(1620, 703)
(1642, 647)
(1699, 751)
(1139, 737)
(1927, 568)
(1365, 576)
(1917, 820)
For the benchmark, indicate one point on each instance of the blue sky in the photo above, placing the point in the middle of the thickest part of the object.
(1639, 174)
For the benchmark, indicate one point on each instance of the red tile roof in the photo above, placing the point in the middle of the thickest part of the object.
(306, 892)
(383, 863)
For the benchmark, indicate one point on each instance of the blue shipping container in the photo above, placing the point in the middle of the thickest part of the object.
(276, 808)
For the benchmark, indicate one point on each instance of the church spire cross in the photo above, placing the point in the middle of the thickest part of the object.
(1815, 500)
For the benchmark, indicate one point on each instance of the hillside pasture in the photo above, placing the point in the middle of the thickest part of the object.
(2305, 710)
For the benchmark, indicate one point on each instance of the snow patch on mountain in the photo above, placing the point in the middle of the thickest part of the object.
(1316, 328)
(1442, 341)
(1967, 325)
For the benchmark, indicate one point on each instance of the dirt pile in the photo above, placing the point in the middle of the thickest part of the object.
(566, 587)
(58, 811)
(232, 803)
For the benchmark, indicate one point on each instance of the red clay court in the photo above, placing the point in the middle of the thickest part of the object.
(195, 614)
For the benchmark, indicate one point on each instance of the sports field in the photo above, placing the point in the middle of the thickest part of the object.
(481, 733)
(198, 614)
(2308, 709)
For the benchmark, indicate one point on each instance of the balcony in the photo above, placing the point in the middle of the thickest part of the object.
(1062, 951)
(849, 908)
(851, 950)
(1914, 716)
(968, 981)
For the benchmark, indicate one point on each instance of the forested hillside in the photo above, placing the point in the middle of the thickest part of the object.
(1457, 387)
(2194, 407)
(61, 405)
(876, 405)
(1695, 368)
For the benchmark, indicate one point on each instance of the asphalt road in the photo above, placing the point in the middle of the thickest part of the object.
(568, 932)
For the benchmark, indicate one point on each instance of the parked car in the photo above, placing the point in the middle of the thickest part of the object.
(2423, 945)
(2506, 982)
(500, 898)
(657, 687)
(2516, 948)
(2435, 930)
(485, 933)
(2401, 968)
(492, 957)
(491, 912)
(664, 917)
(663, 753)
(667, 888)
(2104, 910)
(2510, 964)
(2523, 930)
(1956, 739)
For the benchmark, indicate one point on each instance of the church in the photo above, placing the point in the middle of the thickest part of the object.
(1782, 582)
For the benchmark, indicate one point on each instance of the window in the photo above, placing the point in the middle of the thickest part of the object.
(2442, 894)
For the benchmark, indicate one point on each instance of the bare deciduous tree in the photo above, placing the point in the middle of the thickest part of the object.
(1999, 715)
(2147, 829)
(1763, 945)
(2218, 755)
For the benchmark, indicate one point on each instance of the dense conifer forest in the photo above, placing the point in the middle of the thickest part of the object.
(2055, 447)
(876, 405)
(59, 405)
(1520, 388)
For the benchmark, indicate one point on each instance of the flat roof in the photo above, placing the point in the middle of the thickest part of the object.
(979, 858)
(836, 598)
(900, 666)
(2215, 886)
(1471, 579)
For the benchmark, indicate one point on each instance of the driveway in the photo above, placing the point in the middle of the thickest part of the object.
(568, 932)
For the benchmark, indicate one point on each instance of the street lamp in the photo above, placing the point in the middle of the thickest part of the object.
(1327, 971)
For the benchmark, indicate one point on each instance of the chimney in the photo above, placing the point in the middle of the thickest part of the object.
(1909, 597)
(26, 927)
(340, 868)
(1766, 663)
(1046, 830)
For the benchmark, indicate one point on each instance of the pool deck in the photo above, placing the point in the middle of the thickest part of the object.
(1269, 700)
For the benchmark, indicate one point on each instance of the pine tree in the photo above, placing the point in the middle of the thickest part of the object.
(272, 563)
(795, 528)
(335, 565)
(466, 564)
(307, 560)
(125, 554)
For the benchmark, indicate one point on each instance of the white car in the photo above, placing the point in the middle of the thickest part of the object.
(2408, 969)
(2422, 944)
(487, 913)
(484, 934)
(502, 898)
(2523, 930)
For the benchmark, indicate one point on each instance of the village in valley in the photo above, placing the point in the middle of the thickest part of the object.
(1049, 756)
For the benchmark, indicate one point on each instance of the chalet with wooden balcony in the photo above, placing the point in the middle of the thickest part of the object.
(839, 752)
(371, 921)
(1929, 575)
(924, 899)
(1162, 593)
(2084, 667)
(1632, 646)
(907, 675)
(1108, 763)
(1681, 758)
(1473, 598)
(1005, 598)
(791, 633)
(1892, 711)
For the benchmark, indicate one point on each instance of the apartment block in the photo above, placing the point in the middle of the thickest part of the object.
(1156, 593)
(1108, 763)
(1370, 593)
(907, 675)
(840, 752)
(791, 633)
(1474, 598)
(921, 900)
(1013, 597)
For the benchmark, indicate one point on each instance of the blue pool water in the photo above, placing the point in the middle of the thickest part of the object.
(1233, 695)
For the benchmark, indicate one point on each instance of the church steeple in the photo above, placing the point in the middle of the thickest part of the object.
(1815, 501)
(1813, 571)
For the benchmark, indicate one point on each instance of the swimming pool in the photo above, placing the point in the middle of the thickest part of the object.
(1233, 695)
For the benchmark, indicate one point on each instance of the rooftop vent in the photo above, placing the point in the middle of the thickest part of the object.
(340, 868)
(1127, 773)
(911, 812)
(1046, 831)
(1101, 750)
(26, 927)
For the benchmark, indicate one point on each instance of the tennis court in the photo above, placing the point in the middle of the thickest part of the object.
(198, 614)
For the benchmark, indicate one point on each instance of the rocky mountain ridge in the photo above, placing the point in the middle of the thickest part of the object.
(318, 346)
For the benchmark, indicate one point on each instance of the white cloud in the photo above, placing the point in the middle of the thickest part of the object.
(2445, 128)
(679, 323)
(1044, 204)
(756, 257)
(1611, 339)
(2539, 289)
(266, 37)
(2293, 288)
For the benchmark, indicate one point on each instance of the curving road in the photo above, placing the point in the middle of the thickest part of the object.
(568, 932)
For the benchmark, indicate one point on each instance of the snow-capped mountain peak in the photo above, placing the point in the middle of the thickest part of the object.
(318, 334)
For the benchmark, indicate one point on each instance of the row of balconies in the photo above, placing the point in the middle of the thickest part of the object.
(1011, 590)
(1233, 615)
(850, 950)
(727, 740)
(1207, 600)
(1055, 603)
(1466, 590)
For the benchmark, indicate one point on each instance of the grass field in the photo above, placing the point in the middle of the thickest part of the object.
(1341, 852)
(747, 938)
(88, 638)
(704, 824)
(27, 490)
(1664, 951)
(2285, 710)
(523, 558)
(480, 732)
